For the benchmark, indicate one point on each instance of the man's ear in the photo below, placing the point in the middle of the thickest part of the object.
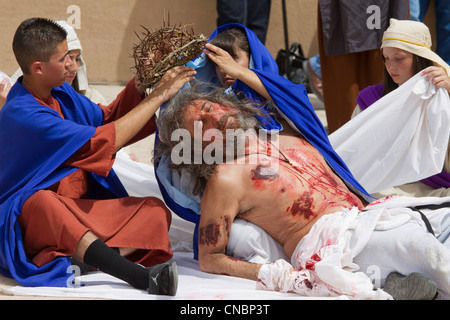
(37, 67)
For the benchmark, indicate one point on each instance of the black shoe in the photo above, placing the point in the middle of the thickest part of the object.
(414, 286)
(163, 279)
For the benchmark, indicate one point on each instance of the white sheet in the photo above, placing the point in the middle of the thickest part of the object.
(193, 285)
(401, 138)
(352, 252)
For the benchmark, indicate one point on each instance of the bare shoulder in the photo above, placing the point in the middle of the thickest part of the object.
(228, 176)
(225, 188)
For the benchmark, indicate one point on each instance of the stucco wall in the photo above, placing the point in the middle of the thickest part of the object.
(107, 27)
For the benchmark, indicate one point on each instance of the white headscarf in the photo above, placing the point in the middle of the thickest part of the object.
(74, 44)
(5, 76)
(414, 37)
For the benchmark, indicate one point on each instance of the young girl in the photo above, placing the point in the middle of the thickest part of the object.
(230, 52)
(406, 50)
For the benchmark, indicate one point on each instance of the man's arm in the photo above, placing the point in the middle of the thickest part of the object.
(130, 124)
(97, 155)
(220, 206)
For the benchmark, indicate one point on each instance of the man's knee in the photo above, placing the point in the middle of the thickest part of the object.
(39, 201)
(42, 196)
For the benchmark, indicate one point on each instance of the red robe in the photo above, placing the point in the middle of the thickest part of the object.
(54, 220)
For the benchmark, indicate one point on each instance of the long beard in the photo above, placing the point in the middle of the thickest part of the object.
(242, 121)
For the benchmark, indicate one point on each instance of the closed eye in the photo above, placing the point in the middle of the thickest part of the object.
(206, 108)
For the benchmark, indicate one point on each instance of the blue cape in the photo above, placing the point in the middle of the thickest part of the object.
(34, 144)
(291, 101)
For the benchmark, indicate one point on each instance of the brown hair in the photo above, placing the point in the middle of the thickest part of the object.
(419, 64)
(232, 39)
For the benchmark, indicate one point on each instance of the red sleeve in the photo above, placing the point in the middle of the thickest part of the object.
(125, 102)
(97, 155)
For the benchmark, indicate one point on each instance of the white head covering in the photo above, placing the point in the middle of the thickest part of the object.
(5, 76)
(414, 37)
(74, 44)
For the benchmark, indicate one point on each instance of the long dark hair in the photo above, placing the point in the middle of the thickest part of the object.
(419, 64)
(232, 39)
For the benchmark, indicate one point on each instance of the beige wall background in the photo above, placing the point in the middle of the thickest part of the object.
(107, 28)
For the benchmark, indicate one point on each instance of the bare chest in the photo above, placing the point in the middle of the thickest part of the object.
(295, 182)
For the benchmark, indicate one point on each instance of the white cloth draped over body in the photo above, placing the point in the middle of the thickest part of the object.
(334, 258)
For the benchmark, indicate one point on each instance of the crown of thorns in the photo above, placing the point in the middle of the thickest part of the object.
(161, 50)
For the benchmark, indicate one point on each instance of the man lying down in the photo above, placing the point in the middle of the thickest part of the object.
(338, 244)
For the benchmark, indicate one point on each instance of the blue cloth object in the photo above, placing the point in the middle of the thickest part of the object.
(414, 10)
(34, 144)
(290, 99)
(418, 10)
(315, 65)
(442, 10)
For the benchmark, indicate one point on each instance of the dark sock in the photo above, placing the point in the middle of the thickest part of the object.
(85, 268)
(108, 260)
